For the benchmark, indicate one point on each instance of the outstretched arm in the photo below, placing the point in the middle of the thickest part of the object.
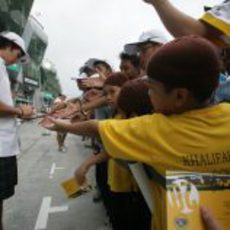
(177, 22)
(83, 169)
(97, 103)
(23, 111)
(7, 111)
(85, 128)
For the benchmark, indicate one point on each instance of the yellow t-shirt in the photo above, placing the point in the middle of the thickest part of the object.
(120, 179)
(197, 140)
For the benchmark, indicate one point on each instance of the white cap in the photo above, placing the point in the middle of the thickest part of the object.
(155, 36)
(16, 39)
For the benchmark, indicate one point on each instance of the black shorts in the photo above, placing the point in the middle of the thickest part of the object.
(8, 176)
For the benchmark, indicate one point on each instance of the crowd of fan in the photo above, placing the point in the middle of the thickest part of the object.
(165, 99)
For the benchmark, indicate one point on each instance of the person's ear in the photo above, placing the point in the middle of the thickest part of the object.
(181, 97)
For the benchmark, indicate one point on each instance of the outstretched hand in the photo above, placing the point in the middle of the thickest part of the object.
(53, 124)
(66, 112)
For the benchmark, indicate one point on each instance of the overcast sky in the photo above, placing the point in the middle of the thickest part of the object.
(82, 29)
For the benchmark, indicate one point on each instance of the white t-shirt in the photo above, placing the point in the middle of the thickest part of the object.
(8, 130)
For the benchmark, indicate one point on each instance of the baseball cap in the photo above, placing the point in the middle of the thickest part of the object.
(17, 40)
(89, 64)
(155, 36)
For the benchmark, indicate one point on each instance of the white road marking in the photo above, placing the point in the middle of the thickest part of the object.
(52, 170)
(45, 209)
(59, 209)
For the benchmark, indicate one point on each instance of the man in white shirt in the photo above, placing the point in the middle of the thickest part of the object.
(12, 50)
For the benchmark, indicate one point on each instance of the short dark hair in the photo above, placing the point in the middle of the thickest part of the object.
(189, 62)
(134, 99)
(5, 43)
(104, 63)
(134, 59)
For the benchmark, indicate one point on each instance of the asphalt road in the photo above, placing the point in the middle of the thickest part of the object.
(40, 202)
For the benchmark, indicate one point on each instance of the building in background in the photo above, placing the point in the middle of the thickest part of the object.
(14, 14)
(36, 41)
(50, 85)
(13, 17)
(29, 83)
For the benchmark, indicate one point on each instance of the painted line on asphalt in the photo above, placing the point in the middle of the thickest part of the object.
(59, 209)
(45, 209)
(42, 218)
(52, 170)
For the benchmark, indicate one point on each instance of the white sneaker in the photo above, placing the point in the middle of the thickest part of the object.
(62, 149)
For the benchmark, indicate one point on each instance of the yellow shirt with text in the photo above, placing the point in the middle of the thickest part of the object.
(197, 140)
